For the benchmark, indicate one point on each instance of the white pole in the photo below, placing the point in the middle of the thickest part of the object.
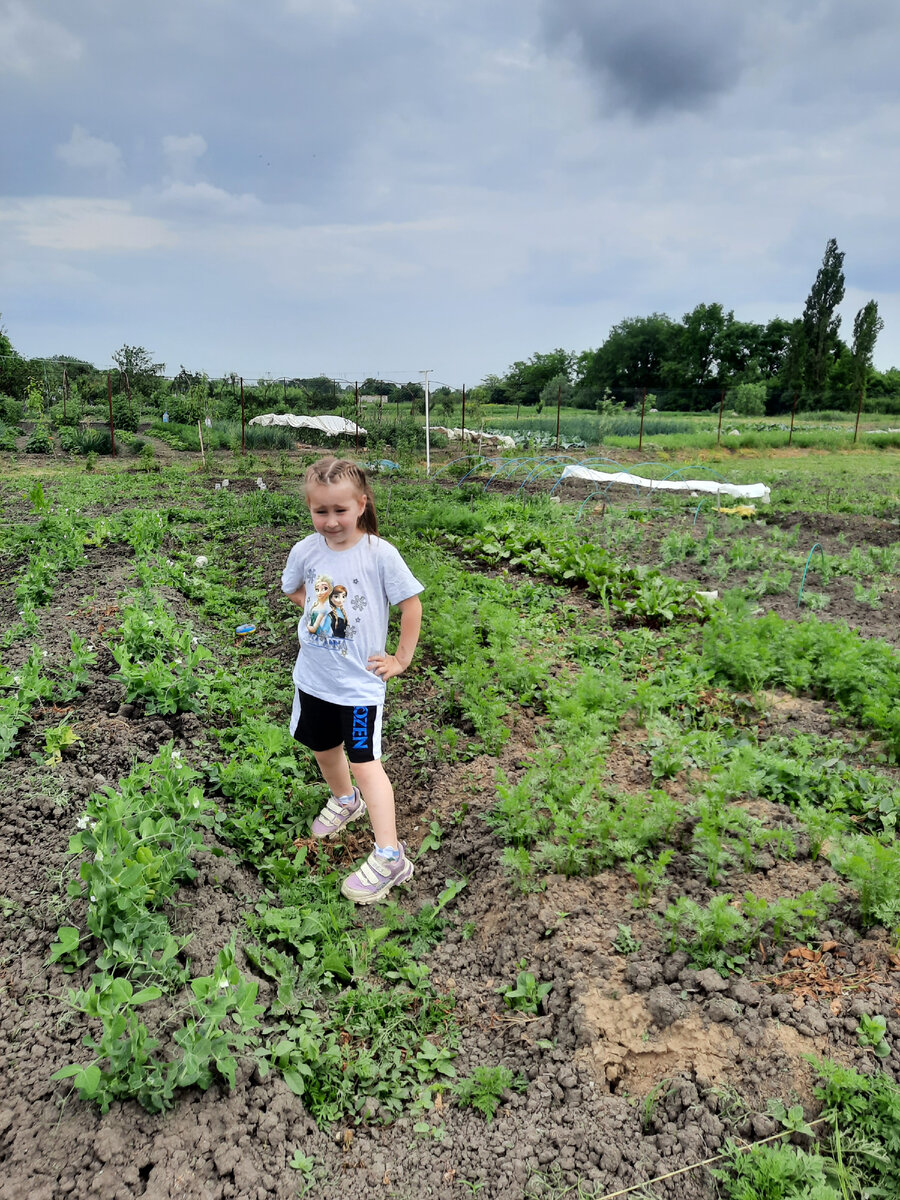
(427, 424)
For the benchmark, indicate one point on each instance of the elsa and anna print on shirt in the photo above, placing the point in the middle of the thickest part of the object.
(328, 615)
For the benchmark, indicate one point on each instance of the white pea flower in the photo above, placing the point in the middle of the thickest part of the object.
(82, 822)
(93, 899)
(223, 985)
(99, 856)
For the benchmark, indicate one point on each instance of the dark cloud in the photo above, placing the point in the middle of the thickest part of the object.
(651, 56)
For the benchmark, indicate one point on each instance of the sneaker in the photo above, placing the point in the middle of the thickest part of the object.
(377, 875)
(334, 816)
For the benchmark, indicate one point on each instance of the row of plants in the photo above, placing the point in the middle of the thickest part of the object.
(489, 646)
(135, 849)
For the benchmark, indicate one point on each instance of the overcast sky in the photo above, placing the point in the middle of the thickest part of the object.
(377, 187)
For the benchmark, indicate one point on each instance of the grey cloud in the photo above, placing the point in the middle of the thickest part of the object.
(90, 153)
(653, 56)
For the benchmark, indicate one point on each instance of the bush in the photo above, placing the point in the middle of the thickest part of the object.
(7, 437)
(40, 441)
(748, 399)
(70, 418)
(185, 410)
(126, 413)
(85, 441)
(10, 410)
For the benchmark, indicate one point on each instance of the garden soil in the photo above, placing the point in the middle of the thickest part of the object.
(637, 1066)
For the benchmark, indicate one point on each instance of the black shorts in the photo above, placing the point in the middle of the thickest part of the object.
(322, 725)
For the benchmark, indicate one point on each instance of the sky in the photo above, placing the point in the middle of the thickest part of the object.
(363, 188)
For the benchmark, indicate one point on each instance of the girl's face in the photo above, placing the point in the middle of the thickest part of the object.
(335, 509)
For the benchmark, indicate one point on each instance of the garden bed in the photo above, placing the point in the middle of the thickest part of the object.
(624, 1057)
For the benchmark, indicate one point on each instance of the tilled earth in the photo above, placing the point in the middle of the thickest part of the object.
(637, 1065)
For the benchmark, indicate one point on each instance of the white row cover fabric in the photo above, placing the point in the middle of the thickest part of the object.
(743, 491)
(332, 426)
(475, 435)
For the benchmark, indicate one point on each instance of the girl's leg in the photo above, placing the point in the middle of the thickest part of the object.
(378, 794)
(335, 770)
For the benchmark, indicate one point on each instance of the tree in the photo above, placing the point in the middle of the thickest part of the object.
(317, 392)
(13, 369)
(412, 394)
(737, 348)
(137, 363)
(493, 390)
(557, 390)
(772, 346)
(445, 400)
(866, 327)
(748, 399)
(526, 380)
(821, 323)
(185, 380)
(696, 361)
(631, 357)
(377, 387)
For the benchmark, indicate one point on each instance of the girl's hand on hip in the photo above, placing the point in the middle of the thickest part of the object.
(386, 666)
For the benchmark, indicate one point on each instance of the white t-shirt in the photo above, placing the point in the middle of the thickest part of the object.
(345, 620)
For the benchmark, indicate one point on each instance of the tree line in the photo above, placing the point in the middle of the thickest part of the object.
(689, 364)
(685, 365)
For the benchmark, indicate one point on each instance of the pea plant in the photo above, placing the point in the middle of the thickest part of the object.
(137, 842)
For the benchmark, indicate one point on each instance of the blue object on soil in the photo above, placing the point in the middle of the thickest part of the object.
(242, 629)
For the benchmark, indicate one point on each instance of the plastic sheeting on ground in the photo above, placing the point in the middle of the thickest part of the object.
(743, 491)
(476, 435)
(329, 425)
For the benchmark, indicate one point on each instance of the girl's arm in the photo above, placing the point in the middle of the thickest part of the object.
(386, 666)
(298, 597)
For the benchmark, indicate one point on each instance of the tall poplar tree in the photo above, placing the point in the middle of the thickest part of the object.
(866, 327)
(821, 322)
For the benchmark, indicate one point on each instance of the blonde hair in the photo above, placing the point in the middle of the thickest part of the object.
(333, 470)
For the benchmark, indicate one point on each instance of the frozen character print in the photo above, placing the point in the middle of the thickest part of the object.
(338, 612)
(319, 622)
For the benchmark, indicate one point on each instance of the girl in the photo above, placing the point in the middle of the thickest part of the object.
(340, 681)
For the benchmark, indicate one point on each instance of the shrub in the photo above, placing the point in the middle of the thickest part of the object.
(10, 410)
(7, 437)
(748, 398)
(70, 418)
(85, 441)
(126, 413)
(40, 441)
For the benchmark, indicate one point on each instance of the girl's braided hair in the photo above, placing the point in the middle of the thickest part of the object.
(335, 470)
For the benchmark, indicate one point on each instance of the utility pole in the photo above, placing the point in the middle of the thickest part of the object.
(427, 426)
